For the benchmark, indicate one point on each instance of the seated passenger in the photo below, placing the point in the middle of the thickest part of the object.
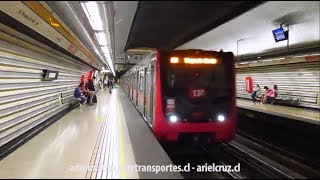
(270, 94)
(85, 91)
(78, 95)
(274, 95)
(265, 100)
(275, 88)
(256, 93)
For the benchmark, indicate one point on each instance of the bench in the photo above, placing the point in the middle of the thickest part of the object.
(287, 100)
(74, 101)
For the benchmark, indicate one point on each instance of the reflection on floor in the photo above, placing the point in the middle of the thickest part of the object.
(75, 145)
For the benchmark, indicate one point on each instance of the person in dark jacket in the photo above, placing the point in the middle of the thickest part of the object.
(78, 94)
(275, 95)
(90, 84)
(110, 85)
(91, 88)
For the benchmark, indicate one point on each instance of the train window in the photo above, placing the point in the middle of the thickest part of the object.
(136, 81)
(197, 77)
(141, 80)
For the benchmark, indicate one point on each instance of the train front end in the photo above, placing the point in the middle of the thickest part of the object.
(197, 96)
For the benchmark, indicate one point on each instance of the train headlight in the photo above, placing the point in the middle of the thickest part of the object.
(173, 118)
(221, 118)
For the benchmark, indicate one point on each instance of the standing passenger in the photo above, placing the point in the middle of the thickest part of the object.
(105, 83)
(113, 83)
(91, 88)
(110, 85)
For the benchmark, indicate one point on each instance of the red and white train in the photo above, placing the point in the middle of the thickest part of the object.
(185, 94)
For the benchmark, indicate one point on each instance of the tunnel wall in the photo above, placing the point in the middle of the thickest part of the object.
(25, 99)
(296, 80)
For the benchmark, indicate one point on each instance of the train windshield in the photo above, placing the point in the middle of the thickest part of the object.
(197, 92)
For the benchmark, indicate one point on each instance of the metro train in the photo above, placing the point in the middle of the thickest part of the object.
(185, 95)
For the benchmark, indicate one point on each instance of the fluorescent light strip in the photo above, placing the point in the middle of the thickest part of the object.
(102, 38)
(274, 59)
(108, 57)
(92, 12)
(306, 55)
(105, 49)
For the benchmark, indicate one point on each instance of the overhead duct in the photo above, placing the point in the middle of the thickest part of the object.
(68, 12)
(107, 15)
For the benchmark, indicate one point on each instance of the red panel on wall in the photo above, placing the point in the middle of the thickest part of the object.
(248, 81)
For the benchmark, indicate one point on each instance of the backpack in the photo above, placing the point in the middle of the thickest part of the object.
(94, 99)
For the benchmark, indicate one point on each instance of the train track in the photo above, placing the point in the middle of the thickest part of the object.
(297, 162)
(267, 160)
(257, 158)
(195, 157)
(256, 162)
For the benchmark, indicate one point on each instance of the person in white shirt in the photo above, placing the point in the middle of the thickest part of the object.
(256, 93)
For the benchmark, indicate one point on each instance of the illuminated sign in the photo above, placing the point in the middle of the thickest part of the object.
(188, 60)
(52, 75)
(198, 92)
(280, 35)
(174, 60)
(200, 60)
(49, 75)
(54, 24)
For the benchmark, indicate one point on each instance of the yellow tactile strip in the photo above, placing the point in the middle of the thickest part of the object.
(112, 157)
(100, 150)
(108, 155)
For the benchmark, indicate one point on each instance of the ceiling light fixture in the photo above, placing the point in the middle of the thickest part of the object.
(102, 38)
(92, 12)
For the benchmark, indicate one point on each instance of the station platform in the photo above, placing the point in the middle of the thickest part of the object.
(300, 114)
(106, 140)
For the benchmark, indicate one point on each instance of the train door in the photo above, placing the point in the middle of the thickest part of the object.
(137, 87)
(131, 87)
(134, 95)
(145, 91)
(141, 91)
(151, 90)
(147, 94)
(126, 86)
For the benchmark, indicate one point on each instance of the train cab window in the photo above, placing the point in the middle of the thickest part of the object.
(199, 92)
(172, 80)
